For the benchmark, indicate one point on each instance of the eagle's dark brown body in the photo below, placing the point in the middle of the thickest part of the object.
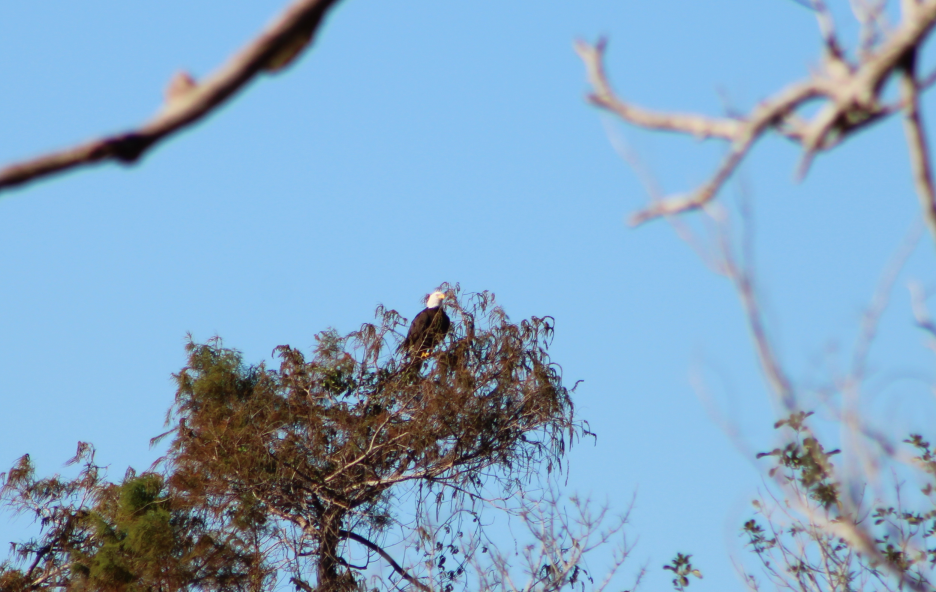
(427, 331)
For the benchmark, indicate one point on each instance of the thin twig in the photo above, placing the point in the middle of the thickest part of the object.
(920, 313)
(916, 143)
(827, 29)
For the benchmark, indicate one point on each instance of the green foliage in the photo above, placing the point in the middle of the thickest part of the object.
(270, 471)
(129, 537)
(757, 537)
(806, 461)
(12, 580)
(682, 568)
(323, 443)
(801, 549)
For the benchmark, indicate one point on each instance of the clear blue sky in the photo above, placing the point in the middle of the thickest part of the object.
(429, 141)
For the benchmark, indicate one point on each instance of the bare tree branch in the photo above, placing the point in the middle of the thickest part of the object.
(603, 96)
(920, 313)
(187, 102)
(741, 133)
(917, 145)
(851, 95)
(377, 549)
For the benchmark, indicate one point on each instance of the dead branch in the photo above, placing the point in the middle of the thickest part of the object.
(603, 96)
(851, 93)
(917, 145)
(187, 102)
(377, 549)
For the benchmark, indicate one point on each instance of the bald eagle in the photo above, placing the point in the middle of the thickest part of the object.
(428, 328)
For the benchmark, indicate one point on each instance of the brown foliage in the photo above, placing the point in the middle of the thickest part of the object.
(271, 474)
(322, 443)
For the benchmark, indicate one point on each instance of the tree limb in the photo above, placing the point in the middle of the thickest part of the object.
(396, 566)
(187, 102)
(916, 142)
(852, 100)
(603, 96)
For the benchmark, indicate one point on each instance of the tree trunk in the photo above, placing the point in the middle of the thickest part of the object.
(333, 575)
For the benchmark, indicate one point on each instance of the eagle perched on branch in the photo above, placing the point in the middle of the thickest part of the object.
(428, 328)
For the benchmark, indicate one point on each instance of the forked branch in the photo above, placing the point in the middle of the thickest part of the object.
(851, 96)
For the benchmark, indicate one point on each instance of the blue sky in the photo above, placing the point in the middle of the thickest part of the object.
(422, 142)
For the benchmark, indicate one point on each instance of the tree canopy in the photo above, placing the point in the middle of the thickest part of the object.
(271, 473)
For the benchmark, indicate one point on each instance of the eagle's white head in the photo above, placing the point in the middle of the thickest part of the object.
(435, 299)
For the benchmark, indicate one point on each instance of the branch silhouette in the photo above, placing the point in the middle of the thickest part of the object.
(187, 101)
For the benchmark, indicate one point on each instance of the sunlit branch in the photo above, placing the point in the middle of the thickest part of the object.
(917, 145)
(187, 102)
(851, 96)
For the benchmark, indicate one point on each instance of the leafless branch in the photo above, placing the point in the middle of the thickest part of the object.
(561, 539)
(652, 187)
(871, 15)
(603, 96)
(830, 541)
(396, 566)
(851, 94)
(920, 313)
(187, 102)
(917, 145)
(743, 278)
(827, 29)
